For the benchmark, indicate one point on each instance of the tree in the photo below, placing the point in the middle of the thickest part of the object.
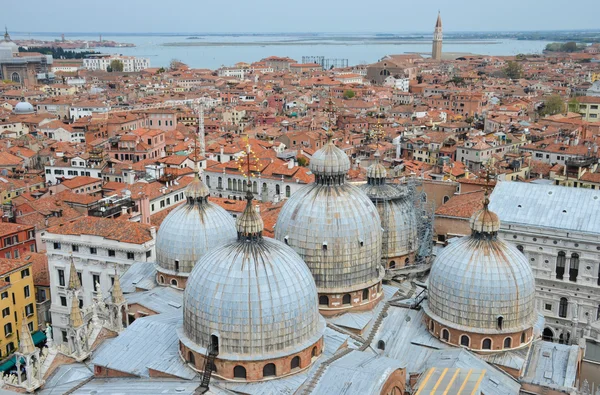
(302, 161)
(161, 70)
(116, 65)
(573, 105)
(349, 94)
(571, 46)
(458, 81)
(513, 70)
(552, 106)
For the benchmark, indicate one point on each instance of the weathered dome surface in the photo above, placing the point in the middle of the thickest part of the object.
(329, 161)
(23, 108)
(337, 231)
(485, 221)
(9, 44)
(192, 229)
(376, 170)
(256, 295)
(479, 278)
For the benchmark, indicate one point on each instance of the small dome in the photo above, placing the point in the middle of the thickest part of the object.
(255, 294)
(376, 170)
(23, 108)
(478, 279)
(330, 161)
(191, 230)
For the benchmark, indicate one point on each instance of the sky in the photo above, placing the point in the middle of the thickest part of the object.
(275, 16)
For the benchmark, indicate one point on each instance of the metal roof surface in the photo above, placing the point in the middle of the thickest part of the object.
(552, 365)
(547, 206)
(140, 275)
(160, 300)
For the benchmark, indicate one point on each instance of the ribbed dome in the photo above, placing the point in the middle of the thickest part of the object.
(257, 296)
(192, 229)
(376, 170)
(329, 161)
(197, 189)
(337, 231)
(479, 278)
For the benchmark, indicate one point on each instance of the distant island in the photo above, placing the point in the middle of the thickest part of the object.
(194, 38)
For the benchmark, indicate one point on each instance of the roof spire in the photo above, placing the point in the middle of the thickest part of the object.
(75, 318)
(6, 35)
(74, 283)
(249, 225)
(117, 292)
(26, 345)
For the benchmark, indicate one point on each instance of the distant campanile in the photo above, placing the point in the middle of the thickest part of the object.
(436, 51)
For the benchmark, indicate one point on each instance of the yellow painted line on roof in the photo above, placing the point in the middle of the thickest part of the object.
(462, 387)
(451, 381)
(431, 370)
(478, 382)
(439, 381)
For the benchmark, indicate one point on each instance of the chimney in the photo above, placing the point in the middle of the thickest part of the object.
(291, 164)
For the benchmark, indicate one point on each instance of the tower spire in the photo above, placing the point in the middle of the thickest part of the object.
(74, 283)
(436, 51)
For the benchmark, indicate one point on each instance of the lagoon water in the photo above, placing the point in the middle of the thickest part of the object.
(213, 51)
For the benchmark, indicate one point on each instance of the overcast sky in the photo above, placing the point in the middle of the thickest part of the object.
(396, 16)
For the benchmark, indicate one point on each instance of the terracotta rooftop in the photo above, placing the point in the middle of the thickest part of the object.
(123, 231)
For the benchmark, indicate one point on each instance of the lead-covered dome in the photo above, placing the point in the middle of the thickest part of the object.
(24, 108)
(482, 284)
(334, 227)
(254, 296)
(191, 230)
(398, 216)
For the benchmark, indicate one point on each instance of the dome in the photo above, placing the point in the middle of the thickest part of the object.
(190, 230)
(397, 213)
(8, 43)
(481, 283)
(334, 227)
(23, 108)
(255, 295)
(329, 161)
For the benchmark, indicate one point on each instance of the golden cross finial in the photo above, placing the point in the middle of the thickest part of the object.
(489, 175)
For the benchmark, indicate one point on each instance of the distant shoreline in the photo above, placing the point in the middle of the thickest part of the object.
(317, 43)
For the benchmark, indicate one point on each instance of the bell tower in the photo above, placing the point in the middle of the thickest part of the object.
(436, 51)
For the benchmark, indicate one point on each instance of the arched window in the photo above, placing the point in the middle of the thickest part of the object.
(381, 345)
(161, 279)
(208, 180)
(574, 267)
(507, 342)
(288, 191)
(314, 352)
(486, 344)
(500, 322)
(523, 337)
(465, 341)
(254, 187)
(406, 261)
(229, 186)
(191, 358)
(547, 335)
(446, 198)
(277, 189)
(560, 264)
(295, 364)
(346, 299)
(562, 307)
(174, 282)
(366, 294)
(214, 343)
(239, 185)
(265, 189)
(15, 77)
(431, 326)
(392, 264)
(220, 183)
(239, 372)
(520, 248)
(445, 335)
(324, 300)
(269, 370)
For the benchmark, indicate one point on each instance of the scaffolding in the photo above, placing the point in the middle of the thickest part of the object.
(326, 63)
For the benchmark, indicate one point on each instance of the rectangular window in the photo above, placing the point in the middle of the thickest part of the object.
(130, 255)
(111, 252)
(148, 254)
(5, 312)
(10, 347)
(93, 250)
(26, 291)
(25, 273)
(75, 248)
(61, 277)
(16, 252)
(29, 310)
(96, 280)
(57, 246)
(64, 336)
(7, 255)
(8, 329)
(30, 326)
(63, 301)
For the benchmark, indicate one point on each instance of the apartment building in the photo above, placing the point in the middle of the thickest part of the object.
(589, 108)
(16, 240)
(102, 62)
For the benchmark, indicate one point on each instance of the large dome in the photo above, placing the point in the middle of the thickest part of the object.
(191, 230)
(334, 227)
(481, 283)
(255, 295)
(397, 212)
(7, 43)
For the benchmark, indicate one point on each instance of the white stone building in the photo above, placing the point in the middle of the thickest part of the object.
(558, 230)
(98, 246)
(72, 167)
(130, 63)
